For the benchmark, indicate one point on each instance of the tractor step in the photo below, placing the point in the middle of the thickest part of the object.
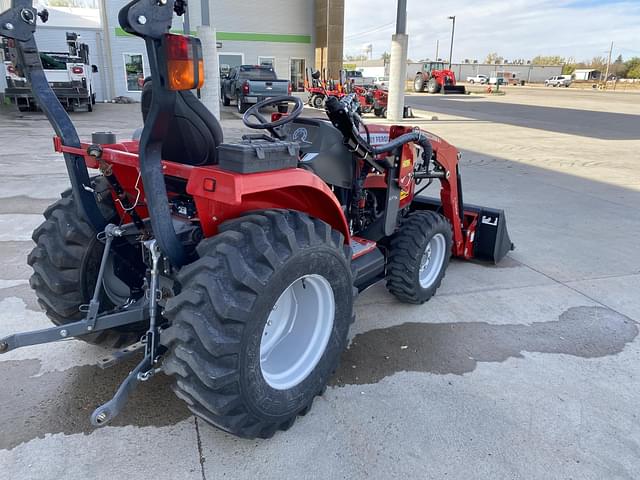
(360, 247)
(367, 263)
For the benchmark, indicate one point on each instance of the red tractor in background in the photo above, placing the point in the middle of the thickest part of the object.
(437, 79)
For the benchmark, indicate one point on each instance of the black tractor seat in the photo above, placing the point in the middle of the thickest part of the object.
(194, 132)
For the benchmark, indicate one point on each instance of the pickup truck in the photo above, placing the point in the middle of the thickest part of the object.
(481, 79)
(69, 74)
(250, 84)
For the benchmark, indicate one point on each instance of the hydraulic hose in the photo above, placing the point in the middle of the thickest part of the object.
(415, 137)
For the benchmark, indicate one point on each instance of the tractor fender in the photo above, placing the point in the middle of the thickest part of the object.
(222, 195)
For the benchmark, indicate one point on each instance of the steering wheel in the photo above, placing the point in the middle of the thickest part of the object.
(262, 124)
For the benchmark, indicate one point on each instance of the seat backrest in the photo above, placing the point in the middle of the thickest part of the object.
(194, 132)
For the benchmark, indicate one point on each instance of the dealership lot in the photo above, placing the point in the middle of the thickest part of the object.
(527, 369)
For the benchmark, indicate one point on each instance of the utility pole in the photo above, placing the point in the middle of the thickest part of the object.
(108, 54)
(453, 31)
(398, 64)
(606, 75)
(210, 93)
(437, 49)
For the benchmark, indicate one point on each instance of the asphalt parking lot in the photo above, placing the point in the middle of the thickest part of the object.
(529, 369)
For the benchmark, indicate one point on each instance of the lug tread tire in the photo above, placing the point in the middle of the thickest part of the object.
(405, 252)
(209, 316)
(58, 262)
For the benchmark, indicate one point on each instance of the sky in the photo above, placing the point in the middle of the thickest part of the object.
(580, 29)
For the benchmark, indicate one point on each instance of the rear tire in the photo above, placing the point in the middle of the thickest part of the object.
(65, 264)
(423, 235)
(223, 365)
(242, 107)
(225, 100)
(317, 101)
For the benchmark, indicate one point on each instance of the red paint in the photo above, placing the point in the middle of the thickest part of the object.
(220, 195)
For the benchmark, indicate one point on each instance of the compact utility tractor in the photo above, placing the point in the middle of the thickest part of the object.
(233, 267)
(437, 78)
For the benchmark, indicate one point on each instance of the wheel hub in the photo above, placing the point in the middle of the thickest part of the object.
(297, 331)
(432, 260)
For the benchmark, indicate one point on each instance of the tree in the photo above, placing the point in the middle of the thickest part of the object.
(633, 67)
(619, 68)
(493, 58)
(598, 63)
(547, 60)
(386, 56)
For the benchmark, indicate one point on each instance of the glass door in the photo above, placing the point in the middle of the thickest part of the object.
(297, 74)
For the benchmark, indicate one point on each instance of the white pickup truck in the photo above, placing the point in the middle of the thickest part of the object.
(481, 79)
(69, 74)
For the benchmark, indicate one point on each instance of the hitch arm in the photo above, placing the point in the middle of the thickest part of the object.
(133, 314)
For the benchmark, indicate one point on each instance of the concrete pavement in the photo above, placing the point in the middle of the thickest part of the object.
(529, 369)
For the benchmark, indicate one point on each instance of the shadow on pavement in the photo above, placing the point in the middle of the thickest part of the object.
(586, 123)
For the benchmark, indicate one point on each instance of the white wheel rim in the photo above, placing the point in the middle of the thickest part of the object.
(432, 260)
(297, 331)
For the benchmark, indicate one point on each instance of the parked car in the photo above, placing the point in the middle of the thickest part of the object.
(251, 84)
(558, 81)
(381, 82)
(481, 79)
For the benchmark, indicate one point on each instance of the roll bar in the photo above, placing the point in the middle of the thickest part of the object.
(19, 24)
(150, 20)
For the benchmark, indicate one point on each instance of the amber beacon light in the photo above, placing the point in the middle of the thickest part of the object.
(185, 66)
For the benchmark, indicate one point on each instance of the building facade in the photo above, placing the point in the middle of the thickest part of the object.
(282, 33)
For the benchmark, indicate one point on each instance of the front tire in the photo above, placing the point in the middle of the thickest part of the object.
(418, 84)
(225, 100)
(433, 86)
(237, 297)
(418, 256)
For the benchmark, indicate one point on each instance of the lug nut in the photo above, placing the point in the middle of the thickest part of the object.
(63, 333)
(142, 20)
(8, 26)
(101, 418)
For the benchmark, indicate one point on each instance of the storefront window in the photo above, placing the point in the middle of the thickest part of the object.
(134, 71)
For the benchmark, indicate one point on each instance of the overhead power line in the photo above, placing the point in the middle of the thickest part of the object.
(373, 30)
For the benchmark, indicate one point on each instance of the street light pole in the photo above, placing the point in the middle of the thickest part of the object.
(453, 31)
(398, 64)
(210, 93)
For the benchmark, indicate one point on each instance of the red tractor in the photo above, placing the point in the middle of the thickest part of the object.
(233, 267)
(437, 79)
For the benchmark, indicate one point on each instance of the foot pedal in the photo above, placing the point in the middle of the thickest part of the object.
(360, 247)
(120, 355)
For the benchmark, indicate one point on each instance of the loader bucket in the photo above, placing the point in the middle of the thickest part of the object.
(459, 89)
(491, 242)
